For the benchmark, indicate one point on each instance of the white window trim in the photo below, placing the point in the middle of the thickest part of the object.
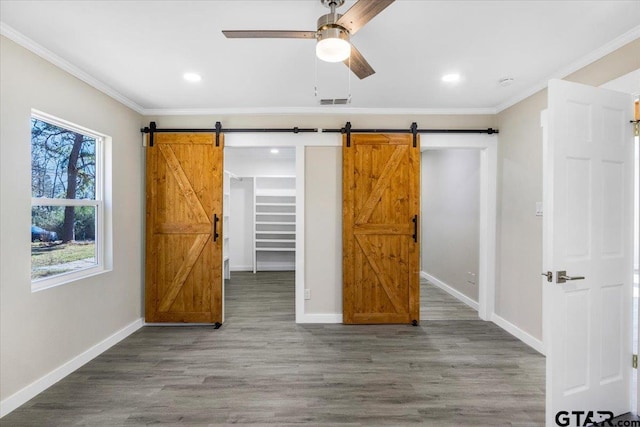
(98, 203)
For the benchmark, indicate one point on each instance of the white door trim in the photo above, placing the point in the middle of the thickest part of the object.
(488, 147)
(299, 142)
(486, 144)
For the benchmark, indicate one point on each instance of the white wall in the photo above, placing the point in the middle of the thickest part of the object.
(450, 215)
(41, 331)
(241, 225)
(323, 220)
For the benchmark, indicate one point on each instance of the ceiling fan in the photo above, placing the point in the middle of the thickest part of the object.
(333, 33)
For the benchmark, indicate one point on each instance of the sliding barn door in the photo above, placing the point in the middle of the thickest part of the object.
(184, 243)
(381, 202)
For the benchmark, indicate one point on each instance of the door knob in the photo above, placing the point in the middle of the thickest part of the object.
(562, 277)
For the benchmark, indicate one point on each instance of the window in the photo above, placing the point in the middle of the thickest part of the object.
(67, 208)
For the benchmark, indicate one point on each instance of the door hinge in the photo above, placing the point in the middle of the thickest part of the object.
(634, 361)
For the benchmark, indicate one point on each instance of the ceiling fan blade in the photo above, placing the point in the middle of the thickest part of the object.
(269, 34)
(358, 64)
(362, 12)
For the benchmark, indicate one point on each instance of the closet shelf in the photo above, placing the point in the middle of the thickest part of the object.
(275, 193)
(274, 232)
(271, 196)
(275, 249)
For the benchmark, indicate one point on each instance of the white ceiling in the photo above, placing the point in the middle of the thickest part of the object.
(139, 50)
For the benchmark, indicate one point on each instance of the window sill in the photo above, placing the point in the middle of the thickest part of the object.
(63, 279)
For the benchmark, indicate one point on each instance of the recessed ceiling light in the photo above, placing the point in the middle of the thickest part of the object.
(451, 78)
(192, 77)
(274, 151)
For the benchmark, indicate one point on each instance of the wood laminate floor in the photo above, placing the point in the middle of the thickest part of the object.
(262, 368)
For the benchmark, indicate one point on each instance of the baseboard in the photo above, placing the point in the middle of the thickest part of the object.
(277, 267)
(451, 291)
(21, 397)
(320, 318)
(523, 336)
(526, 338)
(261, 267)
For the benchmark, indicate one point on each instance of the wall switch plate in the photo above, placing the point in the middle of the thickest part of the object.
(538, 208)
(307, 294)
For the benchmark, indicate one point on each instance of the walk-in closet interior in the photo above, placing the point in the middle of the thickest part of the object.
(259, 209)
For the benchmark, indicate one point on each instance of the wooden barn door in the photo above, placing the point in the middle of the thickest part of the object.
(381, 203)
(184, 229)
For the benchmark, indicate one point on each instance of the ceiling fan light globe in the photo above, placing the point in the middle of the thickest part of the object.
(333, 49)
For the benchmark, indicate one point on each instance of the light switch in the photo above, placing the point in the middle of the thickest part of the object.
(538, 208)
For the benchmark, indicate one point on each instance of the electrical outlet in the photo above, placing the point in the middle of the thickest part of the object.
(472, 278)
(307, 294)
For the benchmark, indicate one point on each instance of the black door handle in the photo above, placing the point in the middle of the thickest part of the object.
(215, 227)
(415, 228)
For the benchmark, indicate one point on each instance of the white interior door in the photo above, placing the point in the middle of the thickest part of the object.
(588, 229)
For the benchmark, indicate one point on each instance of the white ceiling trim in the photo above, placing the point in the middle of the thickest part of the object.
(328, 110)
(46, 54)
(597, 54)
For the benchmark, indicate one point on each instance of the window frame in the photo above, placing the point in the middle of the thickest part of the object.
(98, 203)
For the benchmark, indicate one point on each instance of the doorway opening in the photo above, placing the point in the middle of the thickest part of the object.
(450, 224)
(260, 237)
(487, 147)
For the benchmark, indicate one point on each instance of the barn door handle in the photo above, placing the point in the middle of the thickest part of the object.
(415, 228)
(215, 227)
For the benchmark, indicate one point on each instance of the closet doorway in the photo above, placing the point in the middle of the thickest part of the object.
(260, 238)
(487, 148)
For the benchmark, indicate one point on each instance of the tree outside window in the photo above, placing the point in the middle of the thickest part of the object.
(66, 199)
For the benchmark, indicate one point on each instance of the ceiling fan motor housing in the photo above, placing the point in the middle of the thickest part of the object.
(332, 39)
(327, 28)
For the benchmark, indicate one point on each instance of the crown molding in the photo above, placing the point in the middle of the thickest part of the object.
(590, 58)
(329, 110)
(46, 54)
(24, 41)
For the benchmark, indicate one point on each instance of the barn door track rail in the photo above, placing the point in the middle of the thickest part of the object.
(348, 130)
(152, 129)
(218, 129)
